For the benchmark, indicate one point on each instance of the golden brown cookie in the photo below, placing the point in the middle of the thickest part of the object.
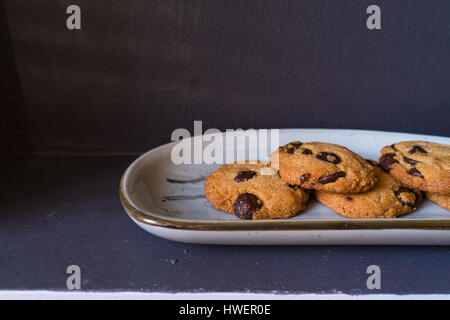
(254, 191)
(419, 164)
(442, 200)
(387, 199)
(323, 166)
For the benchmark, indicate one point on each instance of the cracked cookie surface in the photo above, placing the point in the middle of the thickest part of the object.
(387, 199)
(419, 164)
(442, 200)
(254, 191)
(323, 166)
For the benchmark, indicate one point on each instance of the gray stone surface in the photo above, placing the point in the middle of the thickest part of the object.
(61, 210)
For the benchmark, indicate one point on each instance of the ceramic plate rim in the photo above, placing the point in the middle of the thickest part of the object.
(151, 219)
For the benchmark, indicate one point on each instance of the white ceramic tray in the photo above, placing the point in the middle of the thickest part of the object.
(168, 200)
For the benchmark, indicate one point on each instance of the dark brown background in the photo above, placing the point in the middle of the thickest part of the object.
(140, 69)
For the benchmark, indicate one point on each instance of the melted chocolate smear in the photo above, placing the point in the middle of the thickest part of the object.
(387, 161)
(416, 173)
(243, 176)
(408, 190)
(331, 177)
(178, 198)
(305, 177)
(306, 151)
(411, 161)
(329, 157)
(417, 149)
(246, 205)
(183, 181)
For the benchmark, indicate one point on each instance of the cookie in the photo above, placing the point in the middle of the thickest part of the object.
(442, 200)
(323, 166)
(419, 164)
(254, 191)
(387, 199)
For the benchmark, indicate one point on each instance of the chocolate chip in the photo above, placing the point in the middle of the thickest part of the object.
(403, 189)
(306, 151)
(349, 198)
(393, 147)
(243, 176)
(296, 144)
(293, 186)
(411, 161)
(291, 147)
(415, 172)
(329, 157)
(290, 150)
(407, 190)
(387, 161)
(246, 205)
(328, 178)
(305, 177)
(417, 149)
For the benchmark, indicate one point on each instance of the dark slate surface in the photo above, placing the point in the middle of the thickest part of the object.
(56, 211)
(139, 69)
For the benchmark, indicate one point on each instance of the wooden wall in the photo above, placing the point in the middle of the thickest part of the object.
(138, 69)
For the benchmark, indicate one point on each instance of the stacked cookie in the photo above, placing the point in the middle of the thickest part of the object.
(422, 165)
(341, 179)
(253, 190)
(344, 181)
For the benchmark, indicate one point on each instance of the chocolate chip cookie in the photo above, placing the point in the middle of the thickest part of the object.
(323, 166)
(387, 199)
(419, 164)
(442, 200)
(254, 191)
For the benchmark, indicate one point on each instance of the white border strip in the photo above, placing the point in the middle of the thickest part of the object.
(79, 295)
